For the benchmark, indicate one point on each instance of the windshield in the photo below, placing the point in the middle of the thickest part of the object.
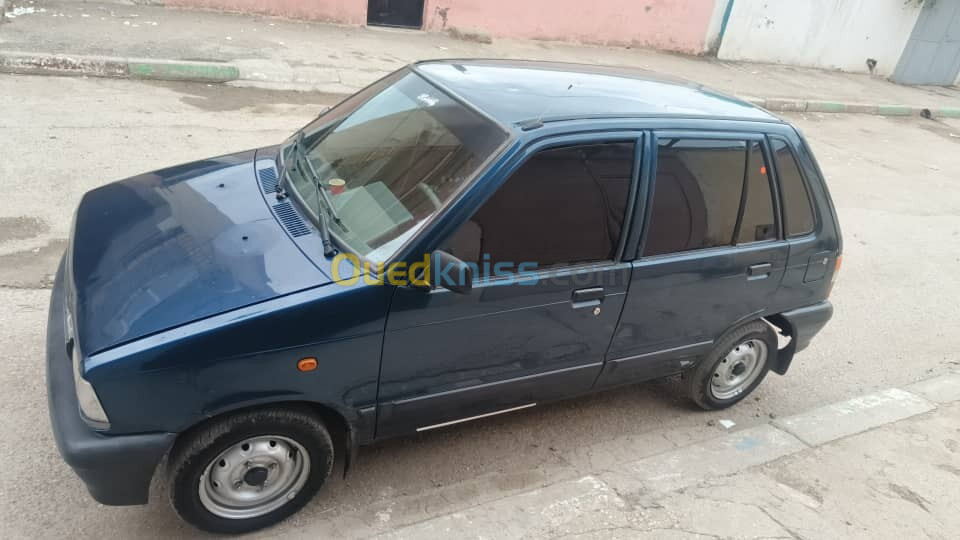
(389, 159)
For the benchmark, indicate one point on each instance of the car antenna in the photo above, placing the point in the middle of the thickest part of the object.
(536, 123)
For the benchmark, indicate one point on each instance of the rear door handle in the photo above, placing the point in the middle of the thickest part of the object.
(584, 298)
(759, 271)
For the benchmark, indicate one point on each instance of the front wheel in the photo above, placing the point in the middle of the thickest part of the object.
(735, 367)
(249, 470)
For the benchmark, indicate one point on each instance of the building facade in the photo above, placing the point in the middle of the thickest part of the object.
(673, 25)
(911, 41)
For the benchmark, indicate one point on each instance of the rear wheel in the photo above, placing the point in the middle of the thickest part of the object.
(735, 367)
(249, 470)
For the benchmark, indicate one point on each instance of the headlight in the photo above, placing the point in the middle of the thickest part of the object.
(90, 406)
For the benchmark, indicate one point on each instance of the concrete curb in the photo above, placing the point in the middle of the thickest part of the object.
(837, 420)
(34, 63)
(171, 70)
(734, 452)
(791, 105)
(106, 66)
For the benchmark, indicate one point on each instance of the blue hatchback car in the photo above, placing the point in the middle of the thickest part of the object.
(459, 239)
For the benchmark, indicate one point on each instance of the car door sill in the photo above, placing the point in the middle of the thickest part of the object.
(477, 417)
(701, 345)
(650, 365)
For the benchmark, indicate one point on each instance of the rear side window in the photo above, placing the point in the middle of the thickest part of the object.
(696, 196)
(798, 215)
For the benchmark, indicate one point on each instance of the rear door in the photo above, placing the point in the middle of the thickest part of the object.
(712, 253)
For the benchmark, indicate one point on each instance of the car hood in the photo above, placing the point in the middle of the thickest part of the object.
(177, 245)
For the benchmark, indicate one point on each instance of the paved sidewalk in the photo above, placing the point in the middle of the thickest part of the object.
(113, 39)
(884, 465)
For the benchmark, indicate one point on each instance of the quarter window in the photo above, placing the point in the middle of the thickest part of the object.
(757, 223)
(563, 206)
(796, 201)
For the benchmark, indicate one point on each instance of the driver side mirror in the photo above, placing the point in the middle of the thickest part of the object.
(449, 272)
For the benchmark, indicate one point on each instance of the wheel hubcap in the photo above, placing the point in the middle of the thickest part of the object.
(738, 369)
(254, 477)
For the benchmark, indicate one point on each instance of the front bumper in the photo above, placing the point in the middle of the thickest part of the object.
(117, 469)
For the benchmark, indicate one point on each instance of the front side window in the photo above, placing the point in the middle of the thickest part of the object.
(562, 206)
(391, 161)
(797, 211)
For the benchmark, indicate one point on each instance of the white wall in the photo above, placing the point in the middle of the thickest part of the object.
(832, 34)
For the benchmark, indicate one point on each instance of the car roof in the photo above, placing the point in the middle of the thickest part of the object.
(527, 93)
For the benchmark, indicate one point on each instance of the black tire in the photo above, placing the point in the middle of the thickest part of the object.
(194, 452)
(698, 381)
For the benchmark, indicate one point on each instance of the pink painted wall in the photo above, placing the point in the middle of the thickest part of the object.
(338, 11)
(677, 25)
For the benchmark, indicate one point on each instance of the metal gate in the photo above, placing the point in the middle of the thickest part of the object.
(402, 13)
(932, 55)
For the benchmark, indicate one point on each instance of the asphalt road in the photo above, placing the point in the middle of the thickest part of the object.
(893, 182)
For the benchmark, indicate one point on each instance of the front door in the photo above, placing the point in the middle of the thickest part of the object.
(712, 254)
(400, 13)
(547, 296)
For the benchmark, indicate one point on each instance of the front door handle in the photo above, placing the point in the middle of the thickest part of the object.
(585, 298)
(759, 271)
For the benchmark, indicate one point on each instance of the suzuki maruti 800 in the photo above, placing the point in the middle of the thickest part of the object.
(459, 239)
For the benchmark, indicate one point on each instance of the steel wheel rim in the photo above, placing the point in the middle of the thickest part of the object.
(736, 371)
(254, 477)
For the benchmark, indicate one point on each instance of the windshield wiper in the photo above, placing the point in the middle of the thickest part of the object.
(299, 156)
(302, 156)
(282, 177)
